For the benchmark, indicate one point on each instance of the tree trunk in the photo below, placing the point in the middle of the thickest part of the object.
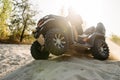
(22, 35)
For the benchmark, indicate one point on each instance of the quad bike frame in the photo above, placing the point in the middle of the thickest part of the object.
(58, 36)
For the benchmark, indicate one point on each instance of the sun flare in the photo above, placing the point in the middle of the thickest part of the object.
(89, 10)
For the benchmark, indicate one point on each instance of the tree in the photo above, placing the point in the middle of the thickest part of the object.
(5, 10)
(27, 15)
(21, 18)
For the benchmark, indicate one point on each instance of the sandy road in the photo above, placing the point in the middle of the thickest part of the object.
(114, 50)
(13, 57)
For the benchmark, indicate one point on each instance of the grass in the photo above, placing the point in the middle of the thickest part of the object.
(116, 39)
(26, 40)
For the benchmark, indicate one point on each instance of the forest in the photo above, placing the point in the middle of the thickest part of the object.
(16, 21)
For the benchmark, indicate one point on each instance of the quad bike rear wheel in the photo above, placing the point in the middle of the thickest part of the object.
(100, 50)
(38, 52)
(56, 40)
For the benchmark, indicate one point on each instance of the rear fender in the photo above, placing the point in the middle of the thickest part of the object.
(62, 24)
(40, 27)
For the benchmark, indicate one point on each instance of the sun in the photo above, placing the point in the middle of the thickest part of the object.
(89, 10)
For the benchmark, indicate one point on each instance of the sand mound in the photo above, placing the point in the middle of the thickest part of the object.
(75, 67)
(68, 69)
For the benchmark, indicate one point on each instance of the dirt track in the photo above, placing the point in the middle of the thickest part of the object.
(13, 57)
(114, 50)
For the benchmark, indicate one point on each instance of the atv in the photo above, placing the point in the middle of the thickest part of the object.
(58, 35)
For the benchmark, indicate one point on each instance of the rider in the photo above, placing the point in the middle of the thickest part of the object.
(100, 28)
(76, 22)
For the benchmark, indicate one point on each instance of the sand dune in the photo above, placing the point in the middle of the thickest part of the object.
(114, 50)
(75, 67)
(69, 69)
(12, 57)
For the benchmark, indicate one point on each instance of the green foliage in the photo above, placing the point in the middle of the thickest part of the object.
(16, 21)
(115, 39)
(28, 39)
(15, 35)
(5, 10)
(21, 19)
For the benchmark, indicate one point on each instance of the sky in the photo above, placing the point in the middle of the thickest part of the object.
(91, 11)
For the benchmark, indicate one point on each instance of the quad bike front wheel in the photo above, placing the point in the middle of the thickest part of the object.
(56, 41)
(38, 52)
(100, 50)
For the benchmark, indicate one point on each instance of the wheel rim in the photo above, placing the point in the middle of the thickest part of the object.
(59, 41)
(103, 49)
